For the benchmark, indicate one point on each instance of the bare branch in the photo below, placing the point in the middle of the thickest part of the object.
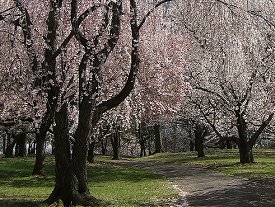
(255, 136)
(151, 10)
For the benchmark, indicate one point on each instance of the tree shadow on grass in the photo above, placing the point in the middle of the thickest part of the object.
(100, 175)
(20, 203)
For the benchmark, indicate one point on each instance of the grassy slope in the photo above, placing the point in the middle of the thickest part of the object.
(119, 186)
(226, 161)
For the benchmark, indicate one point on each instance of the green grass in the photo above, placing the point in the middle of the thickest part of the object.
(117, 185)
(226, 161)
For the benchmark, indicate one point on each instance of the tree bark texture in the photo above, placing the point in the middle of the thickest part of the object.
(71, 184)
(115, 139)
(158, 145)
(245, 150)
(200, 132)
(40, 153)
(10, 146)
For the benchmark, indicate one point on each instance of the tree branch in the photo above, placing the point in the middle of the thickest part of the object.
(121, 96)
(255, 136)
(151, 10)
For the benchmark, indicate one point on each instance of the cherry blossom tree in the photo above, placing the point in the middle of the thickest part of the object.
(66, 58)
(231, 68)
(161, 83)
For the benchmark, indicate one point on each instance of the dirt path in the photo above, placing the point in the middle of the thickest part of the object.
(204, 187)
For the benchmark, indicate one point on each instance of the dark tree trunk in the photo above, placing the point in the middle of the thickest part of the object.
(4, 145)
(142, 141)
(9, 149)
(246, 155)
(53, 147)
(104, 142)
(199, 146)
(16, 153)
(40, 153)
(115, 145)
(71, 171)
(31, 149)
(10, 146)
(158, 147)
(229, 144)
(21, 144)
(150, 143)
(192, 146)
(91, 153)
(200, 133)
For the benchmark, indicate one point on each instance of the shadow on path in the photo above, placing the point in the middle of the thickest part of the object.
(203, 187)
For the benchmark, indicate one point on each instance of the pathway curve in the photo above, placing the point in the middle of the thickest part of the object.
(203, 187)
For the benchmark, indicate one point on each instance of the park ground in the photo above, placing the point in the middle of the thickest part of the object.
(165, 179)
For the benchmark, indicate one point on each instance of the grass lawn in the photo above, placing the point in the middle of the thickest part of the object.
(226, 161)
(119, 186)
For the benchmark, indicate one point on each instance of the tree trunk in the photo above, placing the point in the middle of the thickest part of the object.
(21, 143)
(246, 155)
(229, 144)
(104, 142)
(40, 152)
(199, 145)
(200, 132)
(150, 143)
(16, 153)
(31, 149)
(10, 146)
(158, 147)
(91, 153)
(192, 146)
(142, 141)
(200, 149)
(4, 145)
(71, 172)
(115, 145)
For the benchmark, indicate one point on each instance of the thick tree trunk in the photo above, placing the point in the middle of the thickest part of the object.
(91, 153)
(200, 132)
(199, 146)
(245, 150)
(158, 147)
(71, 172)
(40, 153)
(246, 155)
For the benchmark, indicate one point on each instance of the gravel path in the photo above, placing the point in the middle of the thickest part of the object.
(203, 187)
